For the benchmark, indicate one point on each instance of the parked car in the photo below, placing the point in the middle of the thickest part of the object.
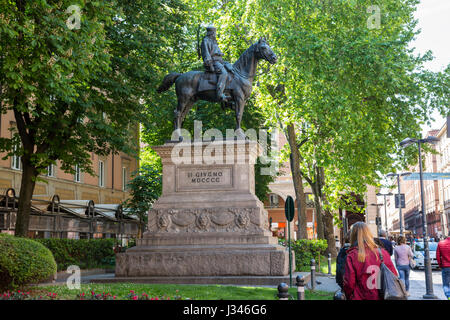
(418, 250)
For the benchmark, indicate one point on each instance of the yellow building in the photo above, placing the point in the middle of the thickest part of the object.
(108, 186)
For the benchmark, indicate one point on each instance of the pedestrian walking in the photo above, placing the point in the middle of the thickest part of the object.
(403, 254)
(340, 262)
(443, 259)
(386, 243)
(363, 265)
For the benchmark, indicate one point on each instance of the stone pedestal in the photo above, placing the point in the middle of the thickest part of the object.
(208, 220)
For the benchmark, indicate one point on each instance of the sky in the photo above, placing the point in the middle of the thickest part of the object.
(434, 22)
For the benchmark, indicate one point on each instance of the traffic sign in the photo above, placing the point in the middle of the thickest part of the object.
(402, 200)
(289, 209)
(428, 176)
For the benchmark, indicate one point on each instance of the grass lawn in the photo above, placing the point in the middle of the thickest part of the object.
(324, 265)
(194, 292)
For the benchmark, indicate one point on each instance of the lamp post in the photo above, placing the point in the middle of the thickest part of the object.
(378, 217)
(398, 175)
(428, 275)
(385, 209)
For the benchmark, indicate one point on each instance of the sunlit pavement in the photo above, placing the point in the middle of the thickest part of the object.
(417, 286)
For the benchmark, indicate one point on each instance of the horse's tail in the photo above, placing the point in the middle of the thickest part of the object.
(168, 81)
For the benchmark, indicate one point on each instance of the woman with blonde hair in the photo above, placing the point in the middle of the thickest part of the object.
(363, 265)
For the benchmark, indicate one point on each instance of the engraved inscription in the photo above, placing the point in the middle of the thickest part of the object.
(196, 178)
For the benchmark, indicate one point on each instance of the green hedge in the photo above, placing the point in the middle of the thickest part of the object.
(85, 253)
(23, 261)
(305, 250)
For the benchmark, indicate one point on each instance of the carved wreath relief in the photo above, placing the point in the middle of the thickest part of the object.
(207, 220)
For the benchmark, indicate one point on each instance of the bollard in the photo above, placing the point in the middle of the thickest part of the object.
(339, 295)
(300, 288)
(329, 264)
(313, 274)
(283, 293)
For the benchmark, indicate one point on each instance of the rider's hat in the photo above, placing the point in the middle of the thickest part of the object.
(210, 28)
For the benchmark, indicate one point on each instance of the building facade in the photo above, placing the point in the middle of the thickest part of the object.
(436, 193)
(443, 165)
(107, 186)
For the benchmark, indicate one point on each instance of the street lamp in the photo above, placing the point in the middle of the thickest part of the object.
(378, 220)
(428, 275)
(385, 210)
(398, 175)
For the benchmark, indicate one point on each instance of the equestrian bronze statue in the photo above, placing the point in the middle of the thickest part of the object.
(221, 82)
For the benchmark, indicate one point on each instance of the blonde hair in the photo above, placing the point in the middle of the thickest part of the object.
(360, 233)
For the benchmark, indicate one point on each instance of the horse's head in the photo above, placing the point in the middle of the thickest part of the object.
(264, 51)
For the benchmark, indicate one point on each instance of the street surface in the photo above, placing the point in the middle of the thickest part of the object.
(417, 286)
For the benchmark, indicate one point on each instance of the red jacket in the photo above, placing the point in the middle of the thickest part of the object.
(360, 277)
(443, 253)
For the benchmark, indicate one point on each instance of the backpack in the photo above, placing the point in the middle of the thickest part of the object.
(340, 265)
(392, 288)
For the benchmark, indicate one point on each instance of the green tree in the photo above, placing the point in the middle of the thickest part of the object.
(78, 81)
(145, 188)
(352, 89)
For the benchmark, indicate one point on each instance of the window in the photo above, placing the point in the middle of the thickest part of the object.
(77, 174)
(16, 162)
(101, 173)
(51, 171)
(274, 200)
(124, 178)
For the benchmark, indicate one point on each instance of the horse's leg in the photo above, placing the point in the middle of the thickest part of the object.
(178, 120)
(187, 107)
(240, 103)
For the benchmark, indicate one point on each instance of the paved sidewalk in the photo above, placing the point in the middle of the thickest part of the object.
(327, 283)
(417, 287)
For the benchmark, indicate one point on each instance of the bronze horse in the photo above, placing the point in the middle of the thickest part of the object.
(198, 85)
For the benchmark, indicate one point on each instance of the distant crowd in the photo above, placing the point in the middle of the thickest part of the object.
(363, 257)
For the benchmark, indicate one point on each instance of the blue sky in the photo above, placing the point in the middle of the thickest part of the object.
(434, 21)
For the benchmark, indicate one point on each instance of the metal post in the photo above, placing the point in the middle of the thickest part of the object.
(290, 254)
(300, 288)
(428, 275)
(329, 264)
(283, 293)
(385, 216)
(378, 222)
(400, 206)
(313, 274)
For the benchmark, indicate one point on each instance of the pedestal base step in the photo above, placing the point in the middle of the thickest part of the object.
(189, 261)
(230, 280)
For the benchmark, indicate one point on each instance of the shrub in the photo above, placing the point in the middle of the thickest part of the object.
(305, 250)
(23, 261)
(85, 253)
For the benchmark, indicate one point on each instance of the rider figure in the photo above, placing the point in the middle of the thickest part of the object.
(213, 62)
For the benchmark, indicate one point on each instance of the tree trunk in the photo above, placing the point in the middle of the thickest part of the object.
(327, 218)
(328, 227)
(318, 209)
(27, 185)
(298, 183)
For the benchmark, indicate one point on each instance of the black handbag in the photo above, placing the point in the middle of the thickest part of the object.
(392, 288)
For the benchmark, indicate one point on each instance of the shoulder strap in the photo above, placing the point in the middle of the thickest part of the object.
(381, 255)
